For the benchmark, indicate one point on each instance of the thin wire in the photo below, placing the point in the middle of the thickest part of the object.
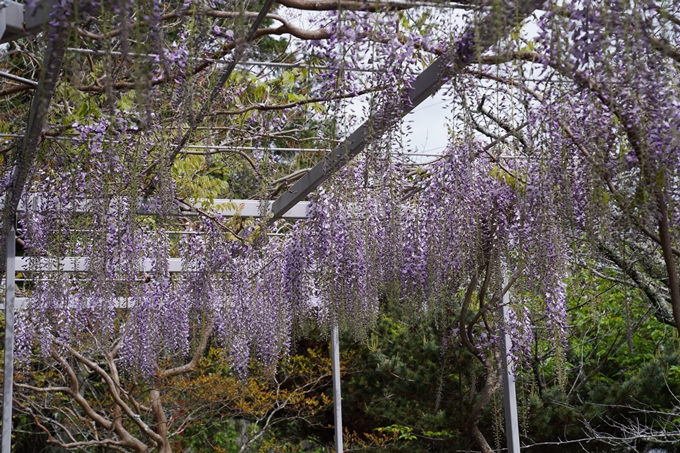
(244, 148)
(302, 65)
(258, 148)
(216, 147)
(217, 62)
(236, 55)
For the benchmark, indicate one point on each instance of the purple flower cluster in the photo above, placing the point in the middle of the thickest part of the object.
(359, 244)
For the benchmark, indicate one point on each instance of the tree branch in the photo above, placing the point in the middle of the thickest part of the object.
(664, 47)
(658, 300)
(213, 58)
(113, 391)
(75, 394)
(200, 349)
(16, 89)
(75, 444)
(667, 249)
(462, 330)
(265, 107)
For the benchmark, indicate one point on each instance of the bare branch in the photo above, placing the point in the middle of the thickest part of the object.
(664, 47)
(75, 394)
(43, 389)
(265, 107)
(226, 48)
(16, 89)
(200, 349)
(113, 391)
(332, 5)
(76, 444)
(659, 301)
(297, 174)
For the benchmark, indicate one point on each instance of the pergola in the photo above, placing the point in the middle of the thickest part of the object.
(17, 21)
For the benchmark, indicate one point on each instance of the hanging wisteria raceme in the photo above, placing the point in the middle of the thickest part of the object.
(334, 267)
(331, 266)
(125, 294)
(466, 215)
(606, 134)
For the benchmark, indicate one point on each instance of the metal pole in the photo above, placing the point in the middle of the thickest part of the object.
(337, 399)
(509, 393)
(8, 370)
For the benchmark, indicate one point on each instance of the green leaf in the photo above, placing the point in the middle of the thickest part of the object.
(127, 101)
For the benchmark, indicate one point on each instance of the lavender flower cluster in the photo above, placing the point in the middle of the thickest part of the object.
(357, 246)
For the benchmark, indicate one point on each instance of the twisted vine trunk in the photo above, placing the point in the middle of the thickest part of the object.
(666, 243)
(161, 420)
(491, 384)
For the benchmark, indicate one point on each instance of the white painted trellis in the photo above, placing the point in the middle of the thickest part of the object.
(253, 209)
(244, 208)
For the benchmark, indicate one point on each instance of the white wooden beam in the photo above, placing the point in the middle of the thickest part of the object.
(71, 264)
(22, 302)
(18, 20)
(255, 208)
(242, 208)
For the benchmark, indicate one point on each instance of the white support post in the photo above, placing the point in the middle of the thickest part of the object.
(337, 397)
(8, 370)
(509, 393)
